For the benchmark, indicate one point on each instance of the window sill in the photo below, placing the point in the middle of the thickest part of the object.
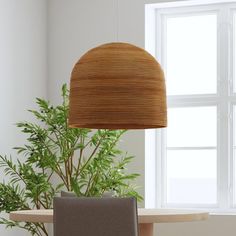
(216, 214)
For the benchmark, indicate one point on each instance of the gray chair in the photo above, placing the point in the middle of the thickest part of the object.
(95, 217)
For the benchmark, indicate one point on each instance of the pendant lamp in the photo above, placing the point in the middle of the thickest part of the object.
(117, 86)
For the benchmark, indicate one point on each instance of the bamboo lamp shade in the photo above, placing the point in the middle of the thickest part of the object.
(117, 86)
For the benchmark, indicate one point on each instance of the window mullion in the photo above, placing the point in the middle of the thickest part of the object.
(232, 101)
(223, 110)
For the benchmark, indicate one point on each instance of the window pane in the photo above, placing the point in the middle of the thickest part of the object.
(192, 127)
(191, 54)
(191, 176)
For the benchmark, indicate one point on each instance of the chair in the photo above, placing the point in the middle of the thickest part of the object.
(95, 217)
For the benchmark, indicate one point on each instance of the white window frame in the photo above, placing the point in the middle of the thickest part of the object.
(224, 100)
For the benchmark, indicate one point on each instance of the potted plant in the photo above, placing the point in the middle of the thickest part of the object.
(86, 162)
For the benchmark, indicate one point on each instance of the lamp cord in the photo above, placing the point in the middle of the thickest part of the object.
(117, 18)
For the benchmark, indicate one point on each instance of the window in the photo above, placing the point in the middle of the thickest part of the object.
(191, 157)
(195, 157)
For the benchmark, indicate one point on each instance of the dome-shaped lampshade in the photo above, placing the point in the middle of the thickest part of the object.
(117, 86)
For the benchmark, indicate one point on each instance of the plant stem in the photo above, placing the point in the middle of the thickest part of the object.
(79, 170)
(80, 155)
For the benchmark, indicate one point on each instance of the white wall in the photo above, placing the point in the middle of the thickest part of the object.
(23, 69)
(78, 25)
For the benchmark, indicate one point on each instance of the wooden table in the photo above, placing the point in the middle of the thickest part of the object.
(146, 217)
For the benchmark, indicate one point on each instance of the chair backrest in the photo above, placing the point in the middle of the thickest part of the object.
(72, 194)
(95, 217)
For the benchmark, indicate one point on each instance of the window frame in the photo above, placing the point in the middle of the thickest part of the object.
(224, 99)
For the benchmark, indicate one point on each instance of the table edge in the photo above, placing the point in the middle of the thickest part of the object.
(142, 219)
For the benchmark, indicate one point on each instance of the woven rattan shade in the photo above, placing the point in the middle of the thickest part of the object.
(117, 86)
